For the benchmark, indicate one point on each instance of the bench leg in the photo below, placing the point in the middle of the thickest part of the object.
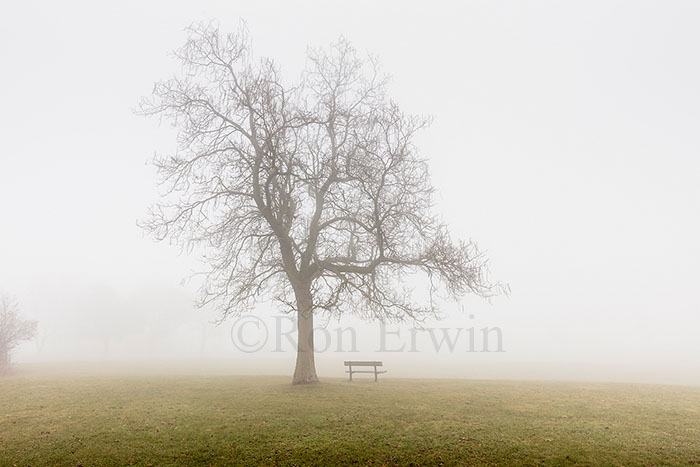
(350, 374)
(375, 374)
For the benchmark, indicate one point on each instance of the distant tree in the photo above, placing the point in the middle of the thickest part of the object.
(312, 193)
(13, 330)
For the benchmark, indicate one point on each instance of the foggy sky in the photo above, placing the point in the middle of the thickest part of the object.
(565, 143)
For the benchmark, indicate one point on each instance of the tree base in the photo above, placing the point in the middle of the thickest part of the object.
(310, 380)
(305, 372)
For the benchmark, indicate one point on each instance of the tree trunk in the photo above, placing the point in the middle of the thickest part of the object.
(4, 361)
(305, 371)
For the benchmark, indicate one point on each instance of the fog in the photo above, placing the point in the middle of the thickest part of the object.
(564, 143)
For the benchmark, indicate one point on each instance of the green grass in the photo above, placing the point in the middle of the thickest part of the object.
(103, 419)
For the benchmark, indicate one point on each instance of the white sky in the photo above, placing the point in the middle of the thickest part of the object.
(565, 143)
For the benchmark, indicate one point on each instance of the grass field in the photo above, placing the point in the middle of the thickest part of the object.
(111, 419)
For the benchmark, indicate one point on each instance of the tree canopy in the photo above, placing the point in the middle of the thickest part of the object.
(13, 329)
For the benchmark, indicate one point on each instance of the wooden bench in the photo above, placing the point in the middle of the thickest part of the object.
(351, 364)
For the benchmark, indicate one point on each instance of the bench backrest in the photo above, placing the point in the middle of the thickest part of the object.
(355, 363)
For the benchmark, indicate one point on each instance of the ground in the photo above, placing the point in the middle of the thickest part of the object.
(93, 419)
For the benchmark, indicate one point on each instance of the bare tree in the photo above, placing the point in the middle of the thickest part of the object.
(13, 330)
(311, 193)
